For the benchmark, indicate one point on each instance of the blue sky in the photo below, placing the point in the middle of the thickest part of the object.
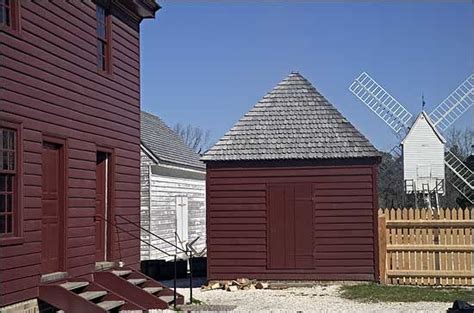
(208, 63)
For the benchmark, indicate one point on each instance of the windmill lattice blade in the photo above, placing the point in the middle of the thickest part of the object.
(458, 102)
(396, 153)
(464, 177)
(380, 102)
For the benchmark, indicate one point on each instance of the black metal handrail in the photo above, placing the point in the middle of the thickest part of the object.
(153, 234)
(187, 251)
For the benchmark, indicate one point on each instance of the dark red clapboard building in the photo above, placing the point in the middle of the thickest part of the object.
(70, 156)
(292, 193)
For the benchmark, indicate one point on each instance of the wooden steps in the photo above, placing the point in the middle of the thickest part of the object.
(115, 289)
(73, 285)
(167, 299)
(137, 288)
(153, 289)
(136, 281)
(84, 296)
(91, 295)
(109, 305)
(121, 272)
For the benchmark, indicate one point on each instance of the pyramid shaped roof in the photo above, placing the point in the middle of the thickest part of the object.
(293, 121)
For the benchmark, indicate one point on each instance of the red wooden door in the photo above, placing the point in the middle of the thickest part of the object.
(52, 217)
(101, 207)
(291, 227)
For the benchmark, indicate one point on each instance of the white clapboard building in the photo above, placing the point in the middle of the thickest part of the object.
(173, 191)
(423, 157)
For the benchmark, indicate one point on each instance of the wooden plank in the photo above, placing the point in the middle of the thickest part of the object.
(429, 274)
(403, 247)
(442, 244)
(430, 223)
(382, 249)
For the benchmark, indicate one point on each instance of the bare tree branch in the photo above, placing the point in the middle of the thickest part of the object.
(195, 137)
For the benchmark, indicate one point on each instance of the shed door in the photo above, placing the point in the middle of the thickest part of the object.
(290, 224)
(52, 208)
(182, 218)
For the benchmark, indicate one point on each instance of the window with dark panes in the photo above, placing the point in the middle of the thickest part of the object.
(8, 172)
(102, 38)
(9, 14)
(5, 13)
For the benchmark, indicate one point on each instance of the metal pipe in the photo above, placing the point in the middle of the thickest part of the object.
(153, 234)
(174, 283)
(190, 276)
(133, 236)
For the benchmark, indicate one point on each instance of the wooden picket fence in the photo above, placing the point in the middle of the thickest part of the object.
(426, 247)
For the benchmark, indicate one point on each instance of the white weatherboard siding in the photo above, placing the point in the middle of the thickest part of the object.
(145, 163)
(165, 194)
(423, 155)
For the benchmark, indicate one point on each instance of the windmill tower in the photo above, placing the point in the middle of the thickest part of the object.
(422, 144)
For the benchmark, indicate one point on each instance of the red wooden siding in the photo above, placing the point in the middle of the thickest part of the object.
(331, 237)
(51, 86)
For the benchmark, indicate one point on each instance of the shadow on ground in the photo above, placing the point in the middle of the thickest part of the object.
(184, 282)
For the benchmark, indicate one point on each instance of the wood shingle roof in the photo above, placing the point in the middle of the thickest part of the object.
(165, 144)
(293, 121)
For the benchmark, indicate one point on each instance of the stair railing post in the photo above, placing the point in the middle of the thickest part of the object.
(174, 283)
(190, 276)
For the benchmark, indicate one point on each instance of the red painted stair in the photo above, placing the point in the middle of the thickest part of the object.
(80, 295)
(137, 288)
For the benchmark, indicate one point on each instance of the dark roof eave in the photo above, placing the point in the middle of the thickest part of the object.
(182, 165)
(143, 8)
(366, 160)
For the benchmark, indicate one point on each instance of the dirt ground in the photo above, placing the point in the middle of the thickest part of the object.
(303, 299)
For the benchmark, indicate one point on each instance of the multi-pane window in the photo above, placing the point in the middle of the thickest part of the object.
(8, 171)
(5, 12)
(102, 38)
(9, 16)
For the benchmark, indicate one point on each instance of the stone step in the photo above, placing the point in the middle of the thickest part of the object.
(73, 285)
(152, 290)
(136, 281)
(109, 305)
(90, 295)
(167, 299)
(103, 266)
(121, 272)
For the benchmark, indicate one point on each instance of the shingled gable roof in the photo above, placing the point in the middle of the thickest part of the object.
(165, 144)
(293, 121)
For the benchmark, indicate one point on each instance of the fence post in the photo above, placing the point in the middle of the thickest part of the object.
(382, 227)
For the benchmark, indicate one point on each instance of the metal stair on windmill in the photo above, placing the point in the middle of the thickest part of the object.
(384, 105)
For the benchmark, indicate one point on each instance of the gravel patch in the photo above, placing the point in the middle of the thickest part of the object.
(304, 299)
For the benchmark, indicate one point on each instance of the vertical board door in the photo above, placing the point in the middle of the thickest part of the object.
(290, 225)
(182, 218)
(100, 206)
(52, 208)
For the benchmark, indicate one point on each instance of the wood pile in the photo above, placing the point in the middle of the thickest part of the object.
(234, 285)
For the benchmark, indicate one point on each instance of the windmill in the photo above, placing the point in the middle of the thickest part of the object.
(424, 164)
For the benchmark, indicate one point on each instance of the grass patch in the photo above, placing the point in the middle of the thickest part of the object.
(378, 293)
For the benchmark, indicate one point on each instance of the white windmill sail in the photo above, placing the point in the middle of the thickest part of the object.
(381, 102)
(443, 116)
(455, 105)
(464, 180)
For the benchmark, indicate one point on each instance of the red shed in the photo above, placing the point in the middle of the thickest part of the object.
(70, 155)
(292, 193)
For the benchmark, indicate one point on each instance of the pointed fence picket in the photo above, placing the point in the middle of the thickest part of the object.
(426, 247)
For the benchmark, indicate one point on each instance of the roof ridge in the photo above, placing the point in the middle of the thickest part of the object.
(293, 120)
